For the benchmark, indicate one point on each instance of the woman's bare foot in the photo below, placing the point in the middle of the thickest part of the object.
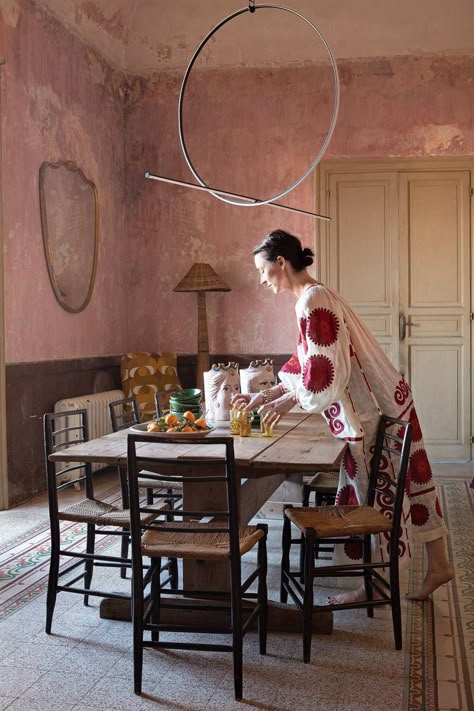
(348, 597)
(433, 580)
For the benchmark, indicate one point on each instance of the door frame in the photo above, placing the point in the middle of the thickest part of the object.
(406, 165)
(3, 422)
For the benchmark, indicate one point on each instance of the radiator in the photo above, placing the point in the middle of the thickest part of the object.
(98, 416)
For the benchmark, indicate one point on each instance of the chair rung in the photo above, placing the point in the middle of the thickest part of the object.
(190, 645)
(93, 593)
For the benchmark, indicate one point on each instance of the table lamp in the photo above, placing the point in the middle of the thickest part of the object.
(201, 278)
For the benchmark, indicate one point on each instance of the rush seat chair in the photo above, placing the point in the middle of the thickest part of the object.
(202, 533)
(340, 525)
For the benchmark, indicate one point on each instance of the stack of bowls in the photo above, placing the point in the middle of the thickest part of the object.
(183, 400)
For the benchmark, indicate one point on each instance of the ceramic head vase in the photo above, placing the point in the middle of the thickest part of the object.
(221, 383)
(258, 376)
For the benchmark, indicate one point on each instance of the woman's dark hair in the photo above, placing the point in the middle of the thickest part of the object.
(281, 244)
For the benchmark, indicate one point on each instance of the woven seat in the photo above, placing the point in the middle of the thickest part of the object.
(324, 486)
(99, 518)
(348, 524)
(203, 531)
(335, 521)
(195, 545)
(103, 514)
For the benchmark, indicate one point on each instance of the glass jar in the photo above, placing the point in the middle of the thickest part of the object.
(245, 423)
(234, 425)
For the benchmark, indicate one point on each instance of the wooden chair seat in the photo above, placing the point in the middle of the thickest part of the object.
(102, 514)
(339, 524)
(324, 486)
(336, 521)
(195, 544)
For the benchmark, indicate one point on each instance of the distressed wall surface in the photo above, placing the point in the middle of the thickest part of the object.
(60, 101)
(254, 131)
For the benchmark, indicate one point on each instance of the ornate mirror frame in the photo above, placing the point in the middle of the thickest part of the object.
(70, 228)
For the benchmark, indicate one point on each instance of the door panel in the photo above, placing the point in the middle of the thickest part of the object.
(362, 242)
(399, 245)
(435, 298)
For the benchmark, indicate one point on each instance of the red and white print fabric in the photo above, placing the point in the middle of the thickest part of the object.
(340, 371)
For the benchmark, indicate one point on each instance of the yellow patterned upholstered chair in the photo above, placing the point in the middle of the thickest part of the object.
(144, 374)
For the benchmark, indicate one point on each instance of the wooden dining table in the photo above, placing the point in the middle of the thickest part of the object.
(301, 443)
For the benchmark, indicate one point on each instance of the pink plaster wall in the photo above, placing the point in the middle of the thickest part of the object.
(253, 131)
(59, 101)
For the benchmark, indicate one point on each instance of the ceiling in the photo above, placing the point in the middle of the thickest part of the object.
(145, 36)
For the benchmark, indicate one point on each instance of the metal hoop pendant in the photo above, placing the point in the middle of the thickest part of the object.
(332, 124)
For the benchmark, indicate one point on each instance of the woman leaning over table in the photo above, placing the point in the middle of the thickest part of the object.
(340, 371)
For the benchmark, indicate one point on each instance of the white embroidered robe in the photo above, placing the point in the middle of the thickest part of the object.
(340, 371)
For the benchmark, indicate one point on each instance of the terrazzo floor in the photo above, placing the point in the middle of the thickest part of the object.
(87, 662)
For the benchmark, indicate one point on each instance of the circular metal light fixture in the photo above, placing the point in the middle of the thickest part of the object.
(252, 8)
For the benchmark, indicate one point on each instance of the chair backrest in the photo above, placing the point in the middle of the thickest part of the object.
(388, 473)
(210, 477)
(61, 429)
(162, 401)
(124, 413)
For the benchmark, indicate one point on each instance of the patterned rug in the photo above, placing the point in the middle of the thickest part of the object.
(24, 560)
(440, 634)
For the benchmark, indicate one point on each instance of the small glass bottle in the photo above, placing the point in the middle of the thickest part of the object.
(234, 425)
(245, 423)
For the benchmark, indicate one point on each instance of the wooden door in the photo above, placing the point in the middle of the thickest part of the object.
(435, 306)
(398, 249)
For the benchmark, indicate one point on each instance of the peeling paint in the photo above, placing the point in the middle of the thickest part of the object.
(437, 140)
(11, 12)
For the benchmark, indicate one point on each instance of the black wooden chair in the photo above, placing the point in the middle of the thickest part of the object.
(347, 524)
(203, 534)
(324, 487)
(162, 401)
(123, 414)
(100, 517)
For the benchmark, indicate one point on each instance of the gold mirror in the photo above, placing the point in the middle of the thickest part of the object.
(69, 222)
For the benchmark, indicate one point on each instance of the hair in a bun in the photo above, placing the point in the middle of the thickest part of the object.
(307, 256)
(282, 244)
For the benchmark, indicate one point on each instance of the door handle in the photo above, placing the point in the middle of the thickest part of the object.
(403, 322)
(402, 327)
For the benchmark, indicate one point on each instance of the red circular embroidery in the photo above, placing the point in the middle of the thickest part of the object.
(349, 464)
(419, 514)
(416, 433)
(318, 373)
(347, 496)
(323, 327)
(353, 550)
(420, 470)
(292, 366)
(438, 508)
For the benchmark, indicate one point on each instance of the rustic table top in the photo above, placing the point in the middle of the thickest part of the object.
(300, 443)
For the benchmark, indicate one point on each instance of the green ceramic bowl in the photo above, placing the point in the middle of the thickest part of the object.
(186, 395)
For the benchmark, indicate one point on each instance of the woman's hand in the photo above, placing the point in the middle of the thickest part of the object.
(272, 412)
(247, 402)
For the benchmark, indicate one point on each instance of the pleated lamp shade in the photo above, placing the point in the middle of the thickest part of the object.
(201, 278)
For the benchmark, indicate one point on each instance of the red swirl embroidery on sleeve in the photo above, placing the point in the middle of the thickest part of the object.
(402, 392)
(292, 366)
(323, 327)
(318, 373)
(332, 413)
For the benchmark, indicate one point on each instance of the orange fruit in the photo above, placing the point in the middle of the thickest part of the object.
(202, 423)
(171, 429)
(171, 419)
(187, 429)
(153, 427)
(188, 415)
